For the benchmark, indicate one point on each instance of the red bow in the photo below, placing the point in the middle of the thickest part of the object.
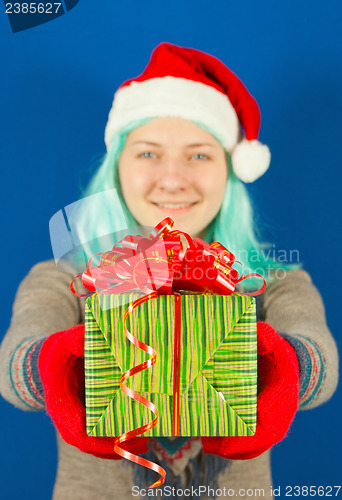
(166, 262)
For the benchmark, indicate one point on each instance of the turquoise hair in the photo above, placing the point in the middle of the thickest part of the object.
(100, 222)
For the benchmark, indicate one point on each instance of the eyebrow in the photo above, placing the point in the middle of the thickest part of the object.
(196, 145)
(146, 142)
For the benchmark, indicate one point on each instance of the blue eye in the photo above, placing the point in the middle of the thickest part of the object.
(148, 154)
(200, 156)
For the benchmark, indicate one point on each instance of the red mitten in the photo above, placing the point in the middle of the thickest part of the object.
(61, 367)
(278, 388)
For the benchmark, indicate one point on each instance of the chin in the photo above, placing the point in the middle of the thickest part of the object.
(180, 222)
(185, 228)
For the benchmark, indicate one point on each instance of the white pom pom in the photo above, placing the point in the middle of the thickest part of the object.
(250, 160)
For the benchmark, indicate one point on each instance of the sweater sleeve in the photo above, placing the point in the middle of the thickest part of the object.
(294, 307)
(43, 305)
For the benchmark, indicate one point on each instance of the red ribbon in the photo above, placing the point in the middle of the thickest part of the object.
(137, 397)
(165, 263)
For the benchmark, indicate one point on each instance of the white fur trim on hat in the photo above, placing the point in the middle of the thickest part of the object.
(173, 96)
(250, 160)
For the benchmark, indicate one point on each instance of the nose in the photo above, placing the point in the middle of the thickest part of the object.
(173, 177)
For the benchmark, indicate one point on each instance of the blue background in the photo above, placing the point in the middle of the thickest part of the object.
(56, 89)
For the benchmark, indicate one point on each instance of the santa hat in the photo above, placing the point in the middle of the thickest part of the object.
(187, 83)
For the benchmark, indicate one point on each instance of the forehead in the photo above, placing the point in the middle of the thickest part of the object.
(171, 131)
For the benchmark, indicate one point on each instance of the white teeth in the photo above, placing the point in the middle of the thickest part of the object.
(173, 205)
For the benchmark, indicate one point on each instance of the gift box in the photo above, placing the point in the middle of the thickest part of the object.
(204, 380)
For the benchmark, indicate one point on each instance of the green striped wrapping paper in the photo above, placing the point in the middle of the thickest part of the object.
(218, 363)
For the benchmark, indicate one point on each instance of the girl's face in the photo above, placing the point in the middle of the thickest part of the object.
(170, 167)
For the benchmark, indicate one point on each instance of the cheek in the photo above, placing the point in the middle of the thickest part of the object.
(134, 183)
(126, 176)
(214, 186)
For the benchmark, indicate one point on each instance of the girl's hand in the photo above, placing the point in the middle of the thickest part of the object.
(61, 367)
(278, 389)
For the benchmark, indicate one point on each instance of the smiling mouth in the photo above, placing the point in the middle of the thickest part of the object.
(174, 206)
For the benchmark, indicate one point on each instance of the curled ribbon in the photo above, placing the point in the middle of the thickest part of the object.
(137, 397)
(164, 263)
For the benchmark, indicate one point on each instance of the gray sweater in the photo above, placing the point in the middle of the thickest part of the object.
(44, 305)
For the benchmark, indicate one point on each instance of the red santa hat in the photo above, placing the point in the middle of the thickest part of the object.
(188, 83)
